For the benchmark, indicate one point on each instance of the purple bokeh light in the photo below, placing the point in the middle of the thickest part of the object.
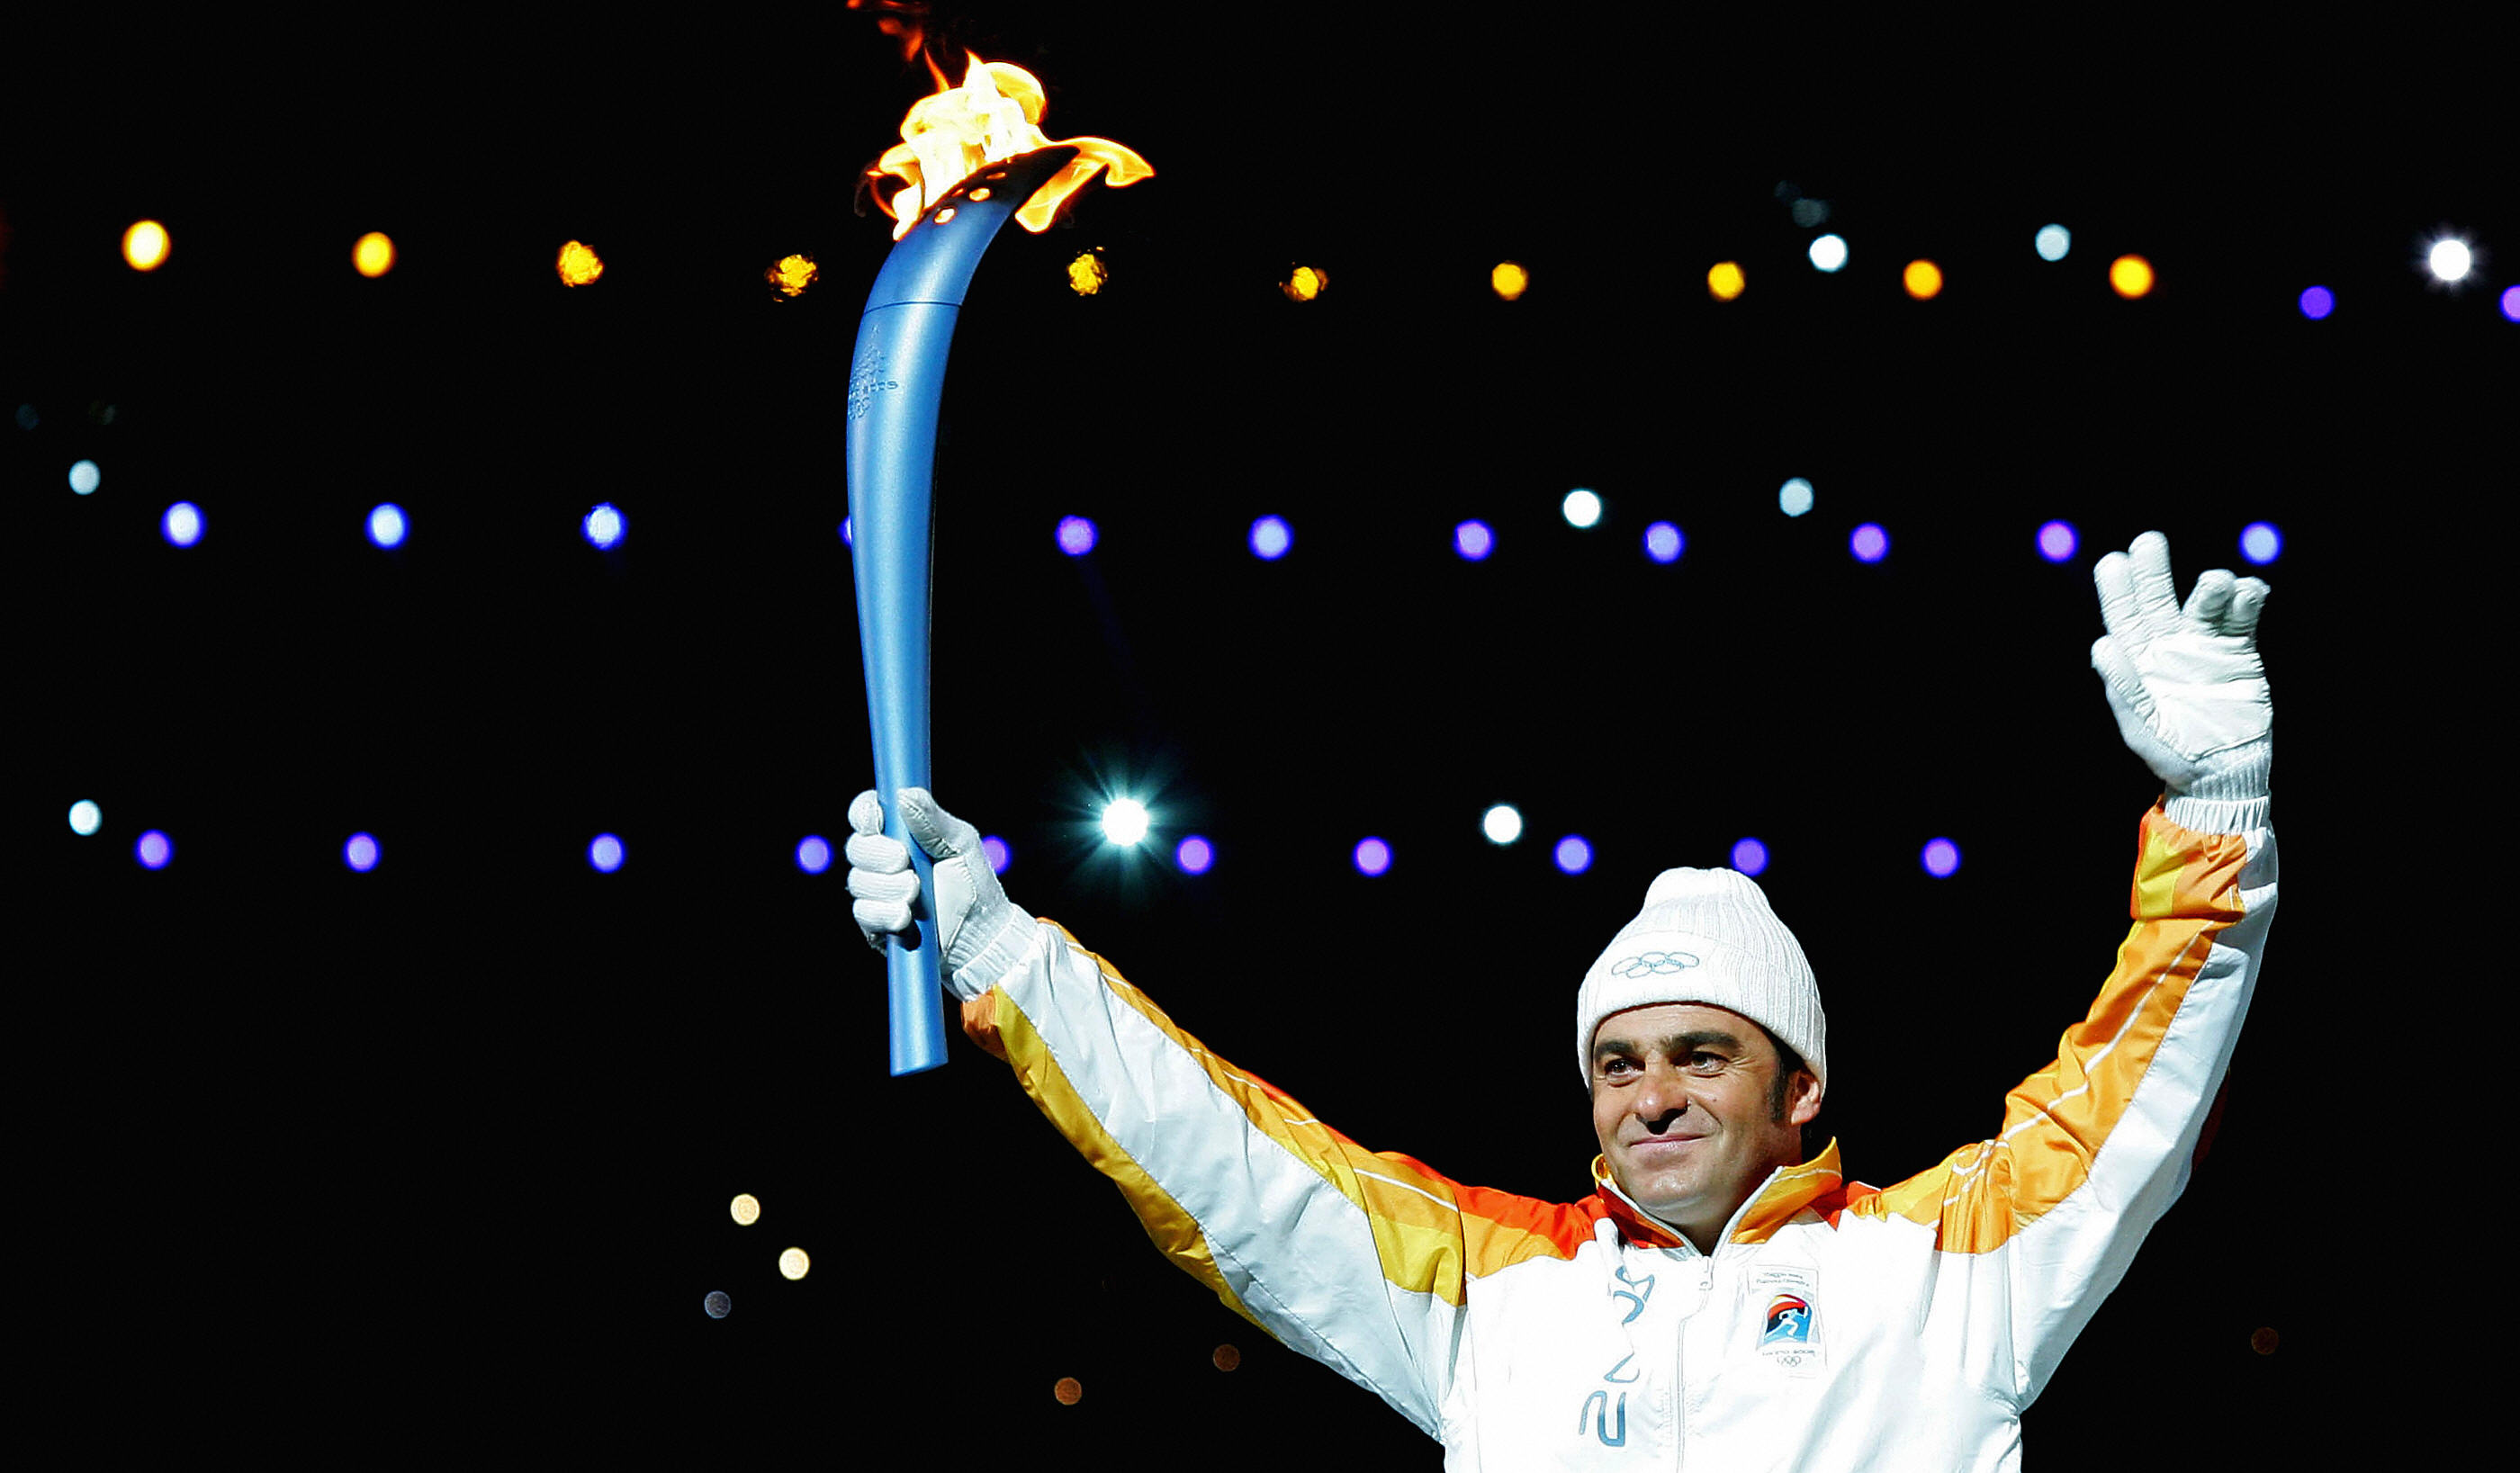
(1664, 542)
(1574, 856)
(155, 849)
(1195, 854)
(813, 854)
(847, 534)
(1871, 543)
(361, 851)
(2261, 543)
(1075, 536)
(1473, 540)
(1271, 537)
(2317, 302)
(2512, 303)
(999, 856)
(605, 852)
(1942, 858)
(1749, 856)
(1372, 856)
(2057, 541)
(182, 524)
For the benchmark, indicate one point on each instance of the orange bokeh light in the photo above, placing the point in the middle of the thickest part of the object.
(1923, 279)
(2130, 276)
(144, 245)
(373, 255)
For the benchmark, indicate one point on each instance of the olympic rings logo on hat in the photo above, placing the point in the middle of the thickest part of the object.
(1652, 965)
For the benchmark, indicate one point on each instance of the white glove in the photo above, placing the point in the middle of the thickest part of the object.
(982, 933)
(2188, 690)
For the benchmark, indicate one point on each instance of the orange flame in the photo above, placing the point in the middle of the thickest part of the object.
(993, 116)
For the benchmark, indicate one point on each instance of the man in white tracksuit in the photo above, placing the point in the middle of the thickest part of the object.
(1718, 1301)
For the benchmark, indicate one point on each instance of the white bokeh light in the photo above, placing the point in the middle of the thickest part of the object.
(85, 478)
(1502, 823)
(1828, 252)
(86, 818)
(1125, 822)
(1582, 508)
(2450, 260)
(1794, 497)
(2052, 242)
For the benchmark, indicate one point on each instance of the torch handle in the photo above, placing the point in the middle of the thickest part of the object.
(900, 367)
(896, 387)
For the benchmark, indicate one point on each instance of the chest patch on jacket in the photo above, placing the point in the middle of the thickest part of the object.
(1789, 1339)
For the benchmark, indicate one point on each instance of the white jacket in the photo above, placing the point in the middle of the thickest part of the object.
(1836, 1325)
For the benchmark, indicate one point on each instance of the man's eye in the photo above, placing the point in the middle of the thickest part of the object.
(1703, 1060)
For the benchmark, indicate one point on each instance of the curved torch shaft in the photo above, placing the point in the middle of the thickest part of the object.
(897, 382)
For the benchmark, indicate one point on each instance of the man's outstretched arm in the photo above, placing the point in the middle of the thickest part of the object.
(2095, 1146)
(1358, 1259)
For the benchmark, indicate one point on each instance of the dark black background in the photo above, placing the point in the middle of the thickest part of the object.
(447, 1147)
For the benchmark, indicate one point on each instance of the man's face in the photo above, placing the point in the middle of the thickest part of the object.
(1682, 1103)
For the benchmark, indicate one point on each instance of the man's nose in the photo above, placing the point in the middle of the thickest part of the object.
(1660, 1098)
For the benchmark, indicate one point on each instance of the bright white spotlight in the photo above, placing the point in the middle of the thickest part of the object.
(1828, 252)
(1125, 822)
(2450, 260)
(1502, 823)
(1582, 508)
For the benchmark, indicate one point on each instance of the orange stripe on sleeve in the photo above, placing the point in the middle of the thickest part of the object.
(2187, 888)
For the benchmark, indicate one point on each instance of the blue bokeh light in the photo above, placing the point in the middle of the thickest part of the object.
(155, 849)
(1000, 855)
(1075, 536)
(1372, 856)
(605, 526)
(1573, 853)
(1940, 857)
(1271, 537)
(1664, 542)
(1473, 540)
(2317, 302)
(605, 852)
(182, 524)
(2512, 303)
(813, 854)
(361, 853)
(1749, 856)
(847, 534)
(2057, 541)
(1869, 543)
(385, 525)
(1195, 854)
(2261, 543)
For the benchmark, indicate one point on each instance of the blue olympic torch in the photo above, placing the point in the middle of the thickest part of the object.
(897, 382)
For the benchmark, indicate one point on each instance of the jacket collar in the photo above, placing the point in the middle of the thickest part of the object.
(1787, 1190)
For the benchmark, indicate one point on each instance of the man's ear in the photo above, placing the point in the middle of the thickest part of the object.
(1801, 1098)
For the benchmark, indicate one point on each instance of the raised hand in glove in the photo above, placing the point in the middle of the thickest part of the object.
(982, 933)
(2188, 690)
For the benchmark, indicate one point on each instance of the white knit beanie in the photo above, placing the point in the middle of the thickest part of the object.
(1707, 936)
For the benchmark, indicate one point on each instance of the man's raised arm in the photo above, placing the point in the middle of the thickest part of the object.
(1357, 1259)
(2095, 1147)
